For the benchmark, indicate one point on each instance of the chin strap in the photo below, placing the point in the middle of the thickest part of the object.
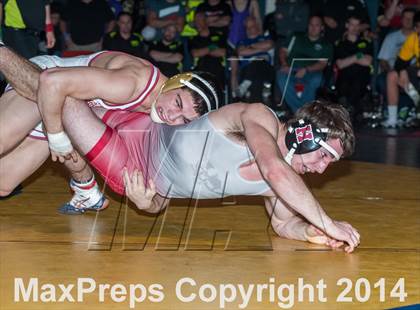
(289, 155)
(154, 115)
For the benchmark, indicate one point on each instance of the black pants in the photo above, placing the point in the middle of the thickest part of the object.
(258, 72)
(24, 42)
(213, 65)
(353, 88)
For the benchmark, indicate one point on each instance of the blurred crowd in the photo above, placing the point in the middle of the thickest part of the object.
(283, 53)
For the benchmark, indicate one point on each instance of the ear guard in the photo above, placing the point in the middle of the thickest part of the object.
(304, 137)
(195, 83)
(192, 81)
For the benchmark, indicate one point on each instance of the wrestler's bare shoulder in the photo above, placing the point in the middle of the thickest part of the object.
(229, 115)
(118, 60)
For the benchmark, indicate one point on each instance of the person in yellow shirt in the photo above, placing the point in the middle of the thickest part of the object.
(405, 75)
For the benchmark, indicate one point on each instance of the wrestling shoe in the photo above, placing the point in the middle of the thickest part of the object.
(87, 197)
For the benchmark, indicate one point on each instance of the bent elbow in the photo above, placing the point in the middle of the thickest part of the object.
(272, 173)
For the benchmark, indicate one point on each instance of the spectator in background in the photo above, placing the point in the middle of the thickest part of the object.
(391, 16)
(189, 31)
(58, 47)
(354, 59)
(124, 39)
(388, 55)
(241, 9)
(161, 13)
(336, 14)
(209, 50)
(291, 17)
(22, 23)
(299, 80)
(167, 54)
(255, 63)
(405, 76)
(116, 7)
(84, 24)
(316, 7)
(216, 15)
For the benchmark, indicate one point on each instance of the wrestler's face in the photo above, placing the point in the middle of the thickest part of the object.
(316, 161)
(176, 107)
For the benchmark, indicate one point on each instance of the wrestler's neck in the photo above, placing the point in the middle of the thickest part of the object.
(148, 102)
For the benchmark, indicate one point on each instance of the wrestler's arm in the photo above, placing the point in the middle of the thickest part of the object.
(145, 198)
(260, 128)
(288, 224)
(111, 85)
(22, 74)
(285, 221)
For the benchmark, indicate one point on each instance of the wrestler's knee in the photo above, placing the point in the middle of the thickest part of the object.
(48, 79)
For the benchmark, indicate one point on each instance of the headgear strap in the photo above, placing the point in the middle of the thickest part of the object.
(186, 79)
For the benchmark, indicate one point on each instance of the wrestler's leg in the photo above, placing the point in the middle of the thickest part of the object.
(87, 194)
(22, 74)
(16, 165)
(103, 147)
(18, 116)
(82, 125)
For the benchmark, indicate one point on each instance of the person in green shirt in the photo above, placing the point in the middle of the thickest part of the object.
(301, 64)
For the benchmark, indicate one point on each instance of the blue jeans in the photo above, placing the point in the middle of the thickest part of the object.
(311, 80)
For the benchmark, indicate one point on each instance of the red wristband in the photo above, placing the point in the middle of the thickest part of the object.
(49, 28)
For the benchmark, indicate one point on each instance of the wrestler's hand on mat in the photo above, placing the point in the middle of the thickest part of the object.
(136, 191)
(317, 236)
(343, 231)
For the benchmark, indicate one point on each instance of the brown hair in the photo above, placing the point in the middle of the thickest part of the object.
(200, 106)
(332, 116)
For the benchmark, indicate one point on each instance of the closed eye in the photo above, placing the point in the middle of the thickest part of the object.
(179, 101)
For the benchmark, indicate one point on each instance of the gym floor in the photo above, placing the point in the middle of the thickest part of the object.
(223, 242)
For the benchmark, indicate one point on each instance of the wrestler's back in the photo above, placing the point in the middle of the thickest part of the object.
(117, 60)
(196, 160)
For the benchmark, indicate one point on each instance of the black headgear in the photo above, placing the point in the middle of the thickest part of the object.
(304, 137)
